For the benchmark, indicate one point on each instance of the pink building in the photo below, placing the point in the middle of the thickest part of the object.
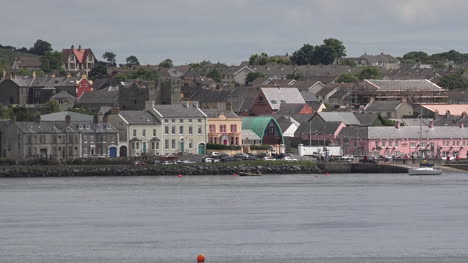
(427, 141)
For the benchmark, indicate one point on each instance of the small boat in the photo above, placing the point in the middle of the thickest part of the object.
(425, 169)
(250, 174)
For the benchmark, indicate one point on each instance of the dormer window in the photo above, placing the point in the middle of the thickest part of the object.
(72, 58)
(90, 58)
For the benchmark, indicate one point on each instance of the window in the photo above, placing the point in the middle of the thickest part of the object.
(181, 121)
(232, 140)
(173, 130)
(390, 144)
(199, 121)
(190, 120)
(233, 127)
(212, 128)
(423, 144)
(237, 140)
(166, 121)
(413, 145)
(190, 144)
(166, 130)
(190, 130)
(210, 140)
(199, 130)
(134, 132)
(154, 132)
(144, 132)
(181, 129)
(137, 145)
(121, 124)
(397, 143)
(173, 120)
(153, 145)
(166, 144)
(157, 145)
(215, 140)
(384, 143)
(222, 128)
(91, 138)
(173, 144)
(133, 145)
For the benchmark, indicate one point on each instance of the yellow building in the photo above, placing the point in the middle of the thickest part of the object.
(224, 127)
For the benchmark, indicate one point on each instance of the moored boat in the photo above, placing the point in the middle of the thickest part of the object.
(425, 169)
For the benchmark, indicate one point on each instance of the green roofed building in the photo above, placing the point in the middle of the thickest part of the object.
(266, 127)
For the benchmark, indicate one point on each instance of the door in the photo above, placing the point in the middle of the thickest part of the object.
(201, 148)
(123, 151)
(113, 152)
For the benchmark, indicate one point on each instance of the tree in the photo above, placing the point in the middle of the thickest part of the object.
(52, 61)
(215, 75)
(347, 78)
(304, 55)
(261, 59)
(253, 76)
(41, 47)
(167, 63)
(132, 61)
(416, 56)
(348, 62)
(110, 57)
(99, 71)
(142, 74)
(454, 81)
(50, 107)
(296, 76)
(369, 73)
(329, 51)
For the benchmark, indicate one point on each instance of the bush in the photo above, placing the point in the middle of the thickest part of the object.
(260, 147)
(98, 161)
(212, 146)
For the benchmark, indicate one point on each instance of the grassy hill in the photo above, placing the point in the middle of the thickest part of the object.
(7, 56)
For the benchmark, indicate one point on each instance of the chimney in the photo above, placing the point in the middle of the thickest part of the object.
(371, 99)
(461, 125)
(96, 118)
(397, 124)
(195, 104)
(79, 47)
(72, 46)
(68, 75)
(436, 114)
(404, 100)
(67, 119)
(431, 124)
(115, 110)
(149, 105)
(447, 114)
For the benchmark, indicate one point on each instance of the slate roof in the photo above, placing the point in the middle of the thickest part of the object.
(348, 118)
(29, 62)
(308, 96)
(214, 113)
(60, 116)
(291, 108)
(62, 95)
(415, 121)
(62, 127)
(139, 118)
(380, 58)
(403, 85)
(100, 97)
(318, 127)
(207, 95)
(353, 133)
(174, 111)
(366, 119)
(277, 96)
(315, 105)
(383, 105)
(250, 135)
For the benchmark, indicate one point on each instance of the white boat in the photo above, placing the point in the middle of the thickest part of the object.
(424, 171)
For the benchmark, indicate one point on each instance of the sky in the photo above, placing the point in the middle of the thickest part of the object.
(188, 31)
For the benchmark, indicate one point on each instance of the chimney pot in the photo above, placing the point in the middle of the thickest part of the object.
(397, 124)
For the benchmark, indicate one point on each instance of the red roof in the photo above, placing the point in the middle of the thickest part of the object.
(80, 54)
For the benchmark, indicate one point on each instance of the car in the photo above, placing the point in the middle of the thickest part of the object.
(168, 162)
(268, 158)
(289, 158)
(210, 160)
(185, 161)
(138, 163)
(156, 162)
(214, 154)
(242, 156)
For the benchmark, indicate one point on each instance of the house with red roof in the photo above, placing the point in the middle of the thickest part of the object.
(78, 59)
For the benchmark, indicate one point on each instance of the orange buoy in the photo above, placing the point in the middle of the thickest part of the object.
(201, 258)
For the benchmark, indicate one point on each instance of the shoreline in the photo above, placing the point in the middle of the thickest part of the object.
(253, 167)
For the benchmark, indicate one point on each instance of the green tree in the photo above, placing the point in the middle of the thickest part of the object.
(348, 62)
(253, 76)
(304, 56)
(329, 51)
(41, 47)
(167, 63)
(132, 61)
(215, 75)
(50, 107)
(261, 59)
(52, 61)
(416, 56)
(454, 81)
(121, 77)
(451, 55)
(296, 76)
(347, 78)
(369, 73)
(99, 71)
(142, 74)
(110, 57)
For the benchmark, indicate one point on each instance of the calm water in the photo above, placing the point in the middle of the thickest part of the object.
(296, 218)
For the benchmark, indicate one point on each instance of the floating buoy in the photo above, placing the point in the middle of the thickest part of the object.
(327, 174)
(179, 176)
(234, 175)
(201, 258)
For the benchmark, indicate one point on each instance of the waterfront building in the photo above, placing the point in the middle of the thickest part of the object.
(406, 141)
(267, 129)
(224, 127)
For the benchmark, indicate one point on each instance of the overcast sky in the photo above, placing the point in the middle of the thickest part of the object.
(230, 31)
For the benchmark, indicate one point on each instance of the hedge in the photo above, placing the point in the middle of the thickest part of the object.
(260, 147)
(212, 146)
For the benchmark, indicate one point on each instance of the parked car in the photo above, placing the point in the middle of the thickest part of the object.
(185, 161)
(168, 162)
(268, 158)
(210, 160)
(214, 154)
(156, 162)
(229, 159)
(138, 163)
(242, 156)
(289, 158)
